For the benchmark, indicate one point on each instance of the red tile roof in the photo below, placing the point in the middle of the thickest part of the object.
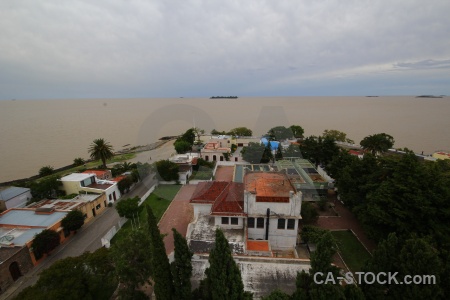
(118, 178)
(194, 161)
(355, 152)
(207, 192)
(230, 201)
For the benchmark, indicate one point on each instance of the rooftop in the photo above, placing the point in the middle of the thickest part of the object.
(96, 172)
(208, 191)
(268, 184)
(76, 177)
(100, 186)
(230, 201)
(17, 236)
(258, 245)
(11, 192)
(27, 217)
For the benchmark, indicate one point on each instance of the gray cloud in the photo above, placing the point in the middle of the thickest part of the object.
(198, 48)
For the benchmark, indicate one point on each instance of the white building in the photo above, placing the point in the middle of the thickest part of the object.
(259, 215)
(13, 196)
(77, 183)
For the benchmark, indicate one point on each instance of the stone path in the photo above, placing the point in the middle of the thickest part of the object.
(178, 215)
(347, 220)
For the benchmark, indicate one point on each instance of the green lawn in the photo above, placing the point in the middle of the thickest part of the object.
(159, 200)
(352, 251)
(94, 164)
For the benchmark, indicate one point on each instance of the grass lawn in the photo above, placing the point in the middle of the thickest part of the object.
(201, 175)
(159, 200)
(352, 251)
(94, 164)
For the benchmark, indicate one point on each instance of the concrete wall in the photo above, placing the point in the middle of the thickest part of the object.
(291, 209)
(22, 257)
(71, 187)
(218, 222)
(201, 209)
(278, 238)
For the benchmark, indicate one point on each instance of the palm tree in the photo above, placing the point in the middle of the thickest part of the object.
(100, 149)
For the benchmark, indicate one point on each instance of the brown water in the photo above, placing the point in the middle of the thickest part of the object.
(35, 133)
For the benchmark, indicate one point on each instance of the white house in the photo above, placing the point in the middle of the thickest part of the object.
(76, 183)
(13, 196)
(264, 209)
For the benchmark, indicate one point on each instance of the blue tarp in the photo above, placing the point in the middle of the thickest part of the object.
(273, 144)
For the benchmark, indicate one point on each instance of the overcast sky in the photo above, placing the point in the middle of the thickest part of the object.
(167, 48)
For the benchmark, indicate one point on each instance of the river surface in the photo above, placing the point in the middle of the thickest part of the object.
(35, 133)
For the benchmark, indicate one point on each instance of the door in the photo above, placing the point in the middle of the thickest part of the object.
(14, 270)
(93, 212)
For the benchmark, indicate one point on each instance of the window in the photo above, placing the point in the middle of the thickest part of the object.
(98, 206)
(260, 223)
(110, 196)
(251, 222)
(291, 224)
(281, 223)
(234, 221)
(225, 220)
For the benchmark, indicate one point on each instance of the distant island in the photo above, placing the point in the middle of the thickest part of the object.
(428, 96)
(371, 96)
(223, 97)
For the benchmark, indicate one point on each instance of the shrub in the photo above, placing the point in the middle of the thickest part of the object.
(309, 213)
(45, 242)
(45, 171)
(78, 161)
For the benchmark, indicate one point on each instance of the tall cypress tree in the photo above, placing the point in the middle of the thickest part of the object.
(181, 268)
(160, 261)
(223, 277)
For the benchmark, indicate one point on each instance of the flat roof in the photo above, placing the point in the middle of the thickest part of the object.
(268, 184)
(28, 217)
(76, 177)
(17, 236)
(11, 192)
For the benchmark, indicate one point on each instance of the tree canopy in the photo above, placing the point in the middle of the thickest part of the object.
(167, 170)
(44, 242)
(377, 143)
(297, 131)
(46, 170)
(101, 149)
(73, 220)
(181, 268)
(279, 133)
(182, 146)
(256, 153)
(223, 277)
(129, 208)
(241, 131)
(336, 135)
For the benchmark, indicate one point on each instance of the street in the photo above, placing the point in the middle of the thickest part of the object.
(88, 238)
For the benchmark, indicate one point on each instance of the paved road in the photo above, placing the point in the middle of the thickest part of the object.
(88, 238)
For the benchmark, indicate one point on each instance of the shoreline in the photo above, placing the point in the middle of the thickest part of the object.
(133, 150)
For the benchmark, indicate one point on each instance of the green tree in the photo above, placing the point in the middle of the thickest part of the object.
(182, 146)
(277, 295)
(181, 268)
(353, 292)
(45, 188)
(89, 276)
(309, 213)
(297, 131)
(100, 149)
(73, 220)
(198, 132)
(78, 161)
(46, 171)
(216, 132)
(160, 262)
(256, 153)
(322, 257)
(241, 131)
(336, 135)
(223, 277)
(279, 133)
(312, 234)
(133, 263)
(377, 143)
(292, 151)
(188, 136)
(167, 170)
(129, 208)
(125, 184)
(44, 242)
